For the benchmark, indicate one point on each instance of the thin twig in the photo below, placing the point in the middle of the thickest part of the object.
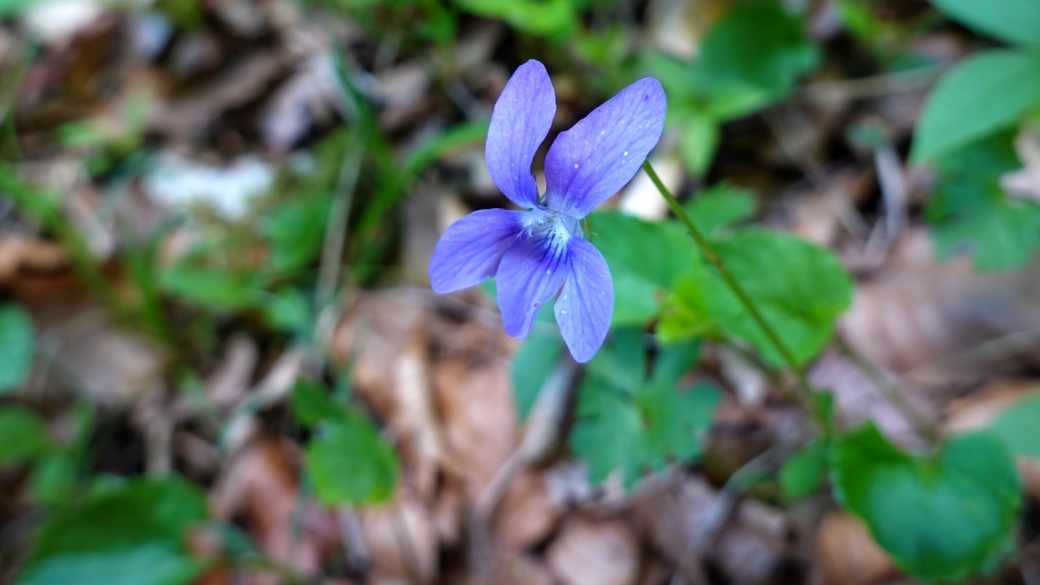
(891, 391)
(726, 502)
(981, 355)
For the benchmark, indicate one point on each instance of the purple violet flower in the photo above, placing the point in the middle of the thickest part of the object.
(535, 252)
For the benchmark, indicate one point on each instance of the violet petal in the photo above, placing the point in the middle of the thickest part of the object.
(470, 250)
(601, 153)
(522, 117)
(586, 303)
(530, 273)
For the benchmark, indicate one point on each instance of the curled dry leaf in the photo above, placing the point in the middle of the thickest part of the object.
(670, 521)
(752, 547)
(858, 398)
(401, 538)
(383, 338)
(260, 487)
(23, 253)
(479, 417)
(192, 116)
(847, 555)
(526, 516)
(942, 322)
(595, 552)
(510, 568)
(84, 348)
(228, 384)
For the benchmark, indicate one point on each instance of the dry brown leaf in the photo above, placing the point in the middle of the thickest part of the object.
(595, 552)
(846, 553)
(857, 398)
(526, 516)
(751, 548)
(191, 117)
(510, 568)
(819, 214)
(403, 90)
(84, 348)
(401, 538)
(479, 417)
(260, 487)
(21, 252)
(942, 322)
(228, 384)
(669, 521)
(309, 98)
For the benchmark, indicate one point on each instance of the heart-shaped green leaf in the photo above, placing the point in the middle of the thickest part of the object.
(940, 517)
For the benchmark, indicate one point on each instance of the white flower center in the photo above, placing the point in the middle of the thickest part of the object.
(552, 226)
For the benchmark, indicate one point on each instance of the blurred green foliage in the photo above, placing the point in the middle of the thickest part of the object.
(633, 423)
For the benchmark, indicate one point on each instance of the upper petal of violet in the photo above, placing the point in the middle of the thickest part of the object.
(586, 304)
(520, 121)
(530, 273)
(469, 252)
(601, 153)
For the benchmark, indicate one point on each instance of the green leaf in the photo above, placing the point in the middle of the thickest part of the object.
(971, 213)
(1016, 426)
(687, 314)
(720, 206)
(1001, 235)
(942, 517)
(351, 463)
(133, 534)
(17, 346)
(985, 93)
(9, 8)
(639, 427)
(210, 287)
(296, 231)
(1014, 21)
(805, 471)
(757, 45)
(54, 478)
(798, 287)
(555, 18)
(289, 310)
(699, 141)
(312, 403)
(536, 359)
(25, 435)
(644, 259)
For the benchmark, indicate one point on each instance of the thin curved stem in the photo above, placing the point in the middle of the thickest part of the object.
(738, 290)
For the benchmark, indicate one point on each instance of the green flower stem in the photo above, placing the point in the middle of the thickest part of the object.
(738, 290)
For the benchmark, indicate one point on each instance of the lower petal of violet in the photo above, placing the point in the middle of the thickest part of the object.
(530, 273)
(586, 304)
(470, 250)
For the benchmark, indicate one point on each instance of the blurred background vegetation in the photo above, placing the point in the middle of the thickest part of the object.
(220, 361)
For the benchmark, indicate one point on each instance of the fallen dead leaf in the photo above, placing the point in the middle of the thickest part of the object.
(510, 568)
(846, 553)
(87, 351)
(479, 417)
(595, 552)
(937, 323)
(401, 538)
(19, 252)
(261, 488)
(525, 516)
